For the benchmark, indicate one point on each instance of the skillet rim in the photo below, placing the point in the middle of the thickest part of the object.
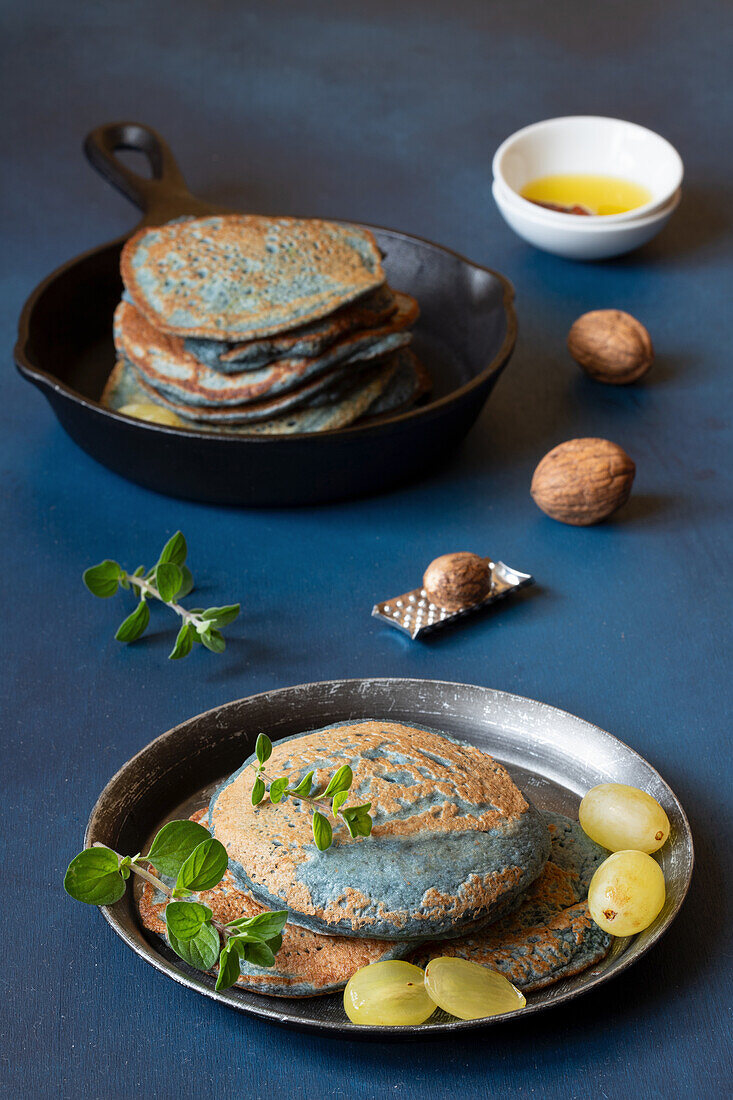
(45, 379)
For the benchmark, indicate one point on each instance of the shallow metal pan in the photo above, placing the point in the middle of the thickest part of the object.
(553, 756)
(465, 335)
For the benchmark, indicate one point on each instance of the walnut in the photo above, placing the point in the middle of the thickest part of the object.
(583, 481)
(458, 580)
(611, 346)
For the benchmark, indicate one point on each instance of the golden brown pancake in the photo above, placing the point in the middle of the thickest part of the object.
(453, 842)
(240, 276)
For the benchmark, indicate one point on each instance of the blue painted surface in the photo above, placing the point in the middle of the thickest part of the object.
(384, 113)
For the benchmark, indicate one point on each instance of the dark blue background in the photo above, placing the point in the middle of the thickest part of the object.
(387, 113)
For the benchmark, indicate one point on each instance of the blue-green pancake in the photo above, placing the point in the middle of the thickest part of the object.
(163, 363)
(551, 935)
(125, 388)
(410, 382)
(454, 841)
(241, 276)
(307, 964)
(305, 342)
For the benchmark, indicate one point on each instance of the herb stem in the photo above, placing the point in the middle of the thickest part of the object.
(314, 801)
(150, 590)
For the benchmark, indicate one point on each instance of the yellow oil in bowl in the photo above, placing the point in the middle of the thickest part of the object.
(578, 193)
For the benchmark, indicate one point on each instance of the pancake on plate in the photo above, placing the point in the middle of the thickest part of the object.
(551, 934)
(237, 277)
(454, 842)
(307, 964)
(163, 363)
(307, 341)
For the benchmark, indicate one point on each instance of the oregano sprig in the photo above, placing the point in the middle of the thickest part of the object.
(356, 818)
(169, 580)
(186, 852)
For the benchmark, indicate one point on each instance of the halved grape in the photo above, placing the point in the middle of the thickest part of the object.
(470, 991)
(619, 818)
(626, 893)
(388, 993)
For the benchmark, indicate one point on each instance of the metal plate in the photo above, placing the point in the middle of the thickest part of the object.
(413, 612)
(553, 756)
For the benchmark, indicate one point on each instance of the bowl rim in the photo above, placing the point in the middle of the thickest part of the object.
(553, 123)
(591, 224)
(45, 380)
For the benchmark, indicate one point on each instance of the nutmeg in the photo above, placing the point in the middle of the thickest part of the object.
(583, 481)
(611, 346)
(457, 580)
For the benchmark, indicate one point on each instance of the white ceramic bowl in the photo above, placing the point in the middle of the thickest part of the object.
(590, 144)
(580, 238)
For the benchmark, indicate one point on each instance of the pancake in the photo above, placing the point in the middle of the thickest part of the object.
(305, 342)
(409, 376)
(241, 276)
(454, 841)
(124, 388)
(163, 363)
(551, 934)
(307, 964)
(410, 382)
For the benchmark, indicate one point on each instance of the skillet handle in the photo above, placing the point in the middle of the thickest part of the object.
(162, 197)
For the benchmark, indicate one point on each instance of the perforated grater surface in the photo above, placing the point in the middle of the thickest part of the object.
(416, 615)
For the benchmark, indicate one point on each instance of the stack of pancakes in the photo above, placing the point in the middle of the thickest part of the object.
(459, 862)
(261, 325)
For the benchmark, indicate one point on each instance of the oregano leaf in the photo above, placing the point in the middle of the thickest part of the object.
(322, 832)
(201, 951)
(173, 844)
(338, 800)
(204, 868)
(264, 926)
(168, 580)
(258, 791)
(257, 953)
(278, 788)
(186, 583)
(221, 616)
(94, 878)
(135, 624)
(263, 748)
(184, 642)
(228, 966)
(213, 640)
(304, 787)
(103, 580)
(175, 550)
(185, 918)
(340, 781)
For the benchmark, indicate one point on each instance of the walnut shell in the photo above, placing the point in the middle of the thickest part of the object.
(458, 580)
(611, 346)
(583, 481)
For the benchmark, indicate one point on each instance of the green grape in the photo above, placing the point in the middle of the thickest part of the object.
(470, 991)
(619, 817)
(388, 993)
(626, 893)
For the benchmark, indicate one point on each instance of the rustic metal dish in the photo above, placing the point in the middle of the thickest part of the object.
(465, 336)
(552, 755)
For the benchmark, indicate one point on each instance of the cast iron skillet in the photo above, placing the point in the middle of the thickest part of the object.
(466, 335)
